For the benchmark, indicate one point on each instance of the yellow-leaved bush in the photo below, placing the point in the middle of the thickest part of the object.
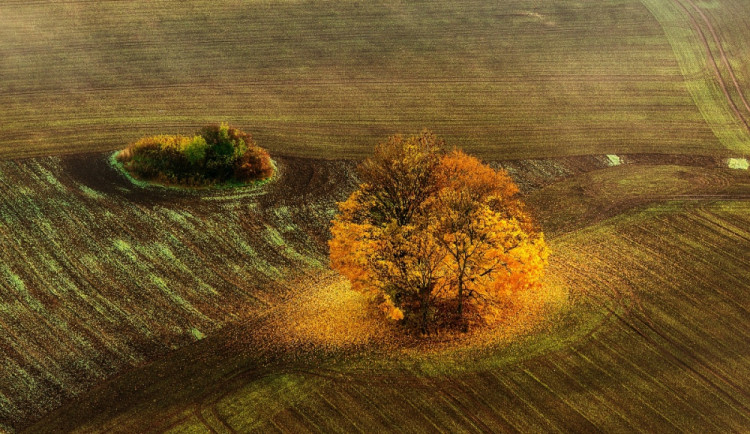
(436, 238)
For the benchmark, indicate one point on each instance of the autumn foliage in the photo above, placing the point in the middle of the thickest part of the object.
(216, 154)
(436, 238)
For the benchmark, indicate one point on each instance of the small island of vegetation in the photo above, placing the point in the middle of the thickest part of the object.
(217, 154)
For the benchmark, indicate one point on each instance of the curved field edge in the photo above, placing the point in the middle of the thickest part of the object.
(239, 351)
(708, 73)
(671, 354)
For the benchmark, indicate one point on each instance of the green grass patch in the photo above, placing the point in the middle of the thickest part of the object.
(91, 193)
(738, 163)
(197, 334)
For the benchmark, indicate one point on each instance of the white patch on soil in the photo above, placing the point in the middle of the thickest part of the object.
(614, 160)
(738, 163)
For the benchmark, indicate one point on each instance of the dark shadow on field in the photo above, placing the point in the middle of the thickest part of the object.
(187, 380)
(304, 187)
(301, 179)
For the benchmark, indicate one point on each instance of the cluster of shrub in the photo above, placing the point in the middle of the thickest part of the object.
(217, 154)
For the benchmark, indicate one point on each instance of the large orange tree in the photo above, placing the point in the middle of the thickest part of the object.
(431, 233)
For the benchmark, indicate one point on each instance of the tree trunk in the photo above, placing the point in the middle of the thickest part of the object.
(460, 297)
(425, 306)
(464, 325)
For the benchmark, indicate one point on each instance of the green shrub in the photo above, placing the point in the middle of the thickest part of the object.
(218, 153)
(195, 151)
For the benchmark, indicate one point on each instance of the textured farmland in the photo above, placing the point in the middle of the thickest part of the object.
(509, 79)
(655, 340)
(99, 275)
(124, 309)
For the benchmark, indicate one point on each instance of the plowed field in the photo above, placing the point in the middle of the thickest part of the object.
(127, 309)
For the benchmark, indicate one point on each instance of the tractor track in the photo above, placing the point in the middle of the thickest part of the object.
(724, 58)
(713, 61)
